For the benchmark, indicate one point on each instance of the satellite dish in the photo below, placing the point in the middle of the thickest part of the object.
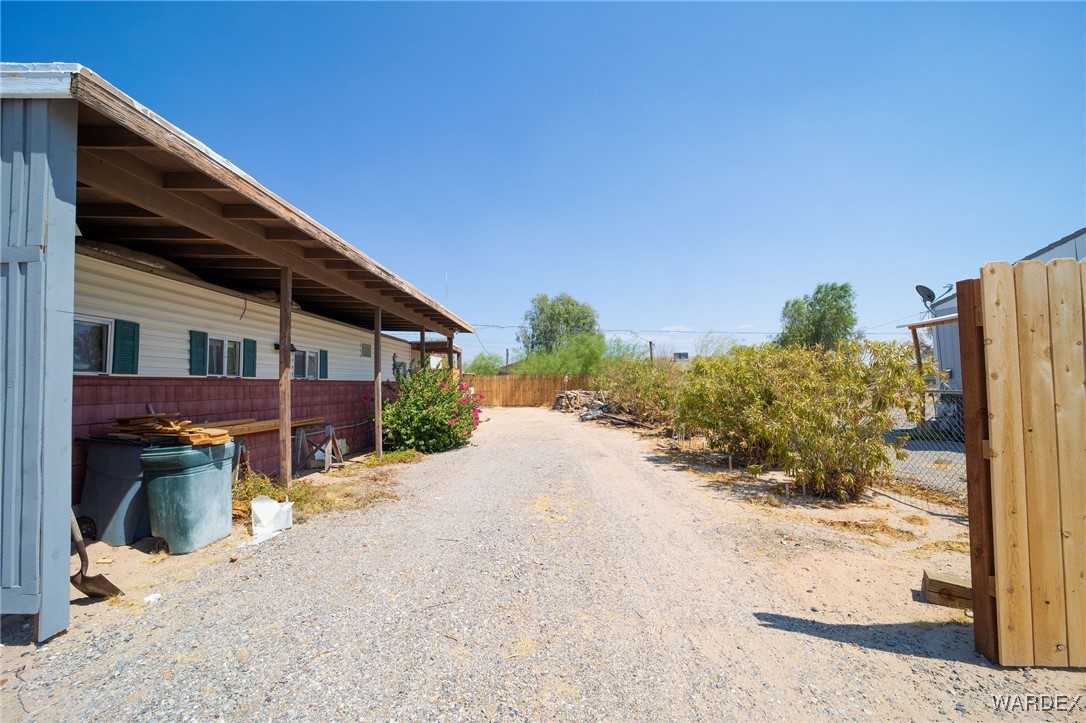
(926, 294)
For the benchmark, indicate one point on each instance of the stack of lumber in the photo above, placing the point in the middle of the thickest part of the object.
(580, 400)
(242, 427)
(167, 428)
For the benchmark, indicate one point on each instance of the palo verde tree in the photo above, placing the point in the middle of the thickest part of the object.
(485, 364)
(826, 317)
(551, 323)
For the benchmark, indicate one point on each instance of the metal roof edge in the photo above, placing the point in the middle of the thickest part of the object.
(37, 80)
(1054, 244)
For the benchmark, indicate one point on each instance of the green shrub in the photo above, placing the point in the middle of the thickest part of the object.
(579, 354)
(646, 390)
(432, 411)
(727, 397)
(833, 410)
(822, 414)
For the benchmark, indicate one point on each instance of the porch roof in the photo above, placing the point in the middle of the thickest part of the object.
(147, 185)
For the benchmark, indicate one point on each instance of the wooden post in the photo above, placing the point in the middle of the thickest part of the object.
(652, 353)
(422, 348)
(449, 352)
(460, 361)
(977, 469)
(378, 428)
(916, 350)
(285, 356)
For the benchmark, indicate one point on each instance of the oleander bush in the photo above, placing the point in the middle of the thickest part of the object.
(432, 411)
(821, 414)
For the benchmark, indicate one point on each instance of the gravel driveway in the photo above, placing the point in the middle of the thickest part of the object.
(552, 570)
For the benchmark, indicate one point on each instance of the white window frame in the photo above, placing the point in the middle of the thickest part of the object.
(226, 341)
(107, 353)
(315, 372)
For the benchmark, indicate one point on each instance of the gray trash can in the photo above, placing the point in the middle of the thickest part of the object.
(114, 494)
(189, 492)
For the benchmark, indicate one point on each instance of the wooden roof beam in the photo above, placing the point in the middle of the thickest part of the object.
(186, 181)
(98, 171)
(111, 138)
(143, 233)
(248, 211)
(278, 233)
(195, 251)
(111, 210)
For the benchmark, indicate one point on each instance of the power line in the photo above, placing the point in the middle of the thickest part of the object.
(692, 331)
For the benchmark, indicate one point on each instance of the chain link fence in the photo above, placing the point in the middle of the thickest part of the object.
(934, 458)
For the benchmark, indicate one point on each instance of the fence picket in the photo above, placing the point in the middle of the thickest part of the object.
(1067, 287)
(1041, 464)
(1009, 511)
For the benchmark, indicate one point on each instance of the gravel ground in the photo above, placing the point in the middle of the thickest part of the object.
(552, 570)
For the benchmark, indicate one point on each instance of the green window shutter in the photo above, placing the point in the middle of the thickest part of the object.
(126, 347)
(198, 353)
(248, 357)
(324, 364)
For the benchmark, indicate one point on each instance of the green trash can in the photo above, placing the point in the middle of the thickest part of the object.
(188, 492)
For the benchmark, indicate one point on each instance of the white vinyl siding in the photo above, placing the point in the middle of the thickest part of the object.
(167, 309)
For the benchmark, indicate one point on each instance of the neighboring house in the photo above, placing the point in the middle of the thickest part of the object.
(140, 268)
(439, 354)
(945, 337)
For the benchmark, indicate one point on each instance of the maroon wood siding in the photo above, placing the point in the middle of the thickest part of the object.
(97, 400)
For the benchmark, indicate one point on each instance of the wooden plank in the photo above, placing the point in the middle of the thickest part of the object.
(1041, 465)
(1066, 295)
(267, 425)
(285, 361)
(378, 396)
(1009, 524)
(948, 590)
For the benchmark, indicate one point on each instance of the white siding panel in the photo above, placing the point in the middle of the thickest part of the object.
(166, 309)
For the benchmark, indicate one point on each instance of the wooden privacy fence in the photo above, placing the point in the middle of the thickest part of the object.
(1024, 394)
(527, 390)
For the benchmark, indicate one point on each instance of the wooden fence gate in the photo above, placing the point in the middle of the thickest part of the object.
(1024, 394)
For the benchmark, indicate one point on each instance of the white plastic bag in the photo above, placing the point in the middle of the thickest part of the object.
(271, 517)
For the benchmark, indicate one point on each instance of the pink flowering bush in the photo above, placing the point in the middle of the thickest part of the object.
(432, 412)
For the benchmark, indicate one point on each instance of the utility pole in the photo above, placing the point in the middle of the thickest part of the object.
(652, 352)
(506, 357)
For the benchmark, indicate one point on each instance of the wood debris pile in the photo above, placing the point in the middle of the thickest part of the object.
(591, 405)
(167, 429)
(579, 400)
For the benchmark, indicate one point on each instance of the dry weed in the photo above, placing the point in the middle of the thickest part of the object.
(911, 489)
(917, 520)
(930, 548)
(868, 528)
(767, 500)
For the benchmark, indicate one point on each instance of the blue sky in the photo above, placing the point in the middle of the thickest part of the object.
(677, 166)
